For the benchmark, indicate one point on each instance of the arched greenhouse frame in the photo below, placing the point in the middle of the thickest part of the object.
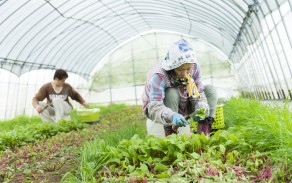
(244, 49)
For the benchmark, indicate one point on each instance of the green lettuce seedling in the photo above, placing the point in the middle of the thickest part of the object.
(201, 113)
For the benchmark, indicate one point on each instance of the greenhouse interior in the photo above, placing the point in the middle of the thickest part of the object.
(107, 47)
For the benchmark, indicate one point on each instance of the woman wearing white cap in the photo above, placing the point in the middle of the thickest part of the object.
(174, 90)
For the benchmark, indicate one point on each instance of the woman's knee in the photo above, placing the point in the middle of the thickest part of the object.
(171, 93)
(210, 92)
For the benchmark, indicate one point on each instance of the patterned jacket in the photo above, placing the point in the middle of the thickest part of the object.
(158, 80)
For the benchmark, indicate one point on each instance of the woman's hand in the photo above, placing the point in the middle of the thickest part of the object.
(85, 104)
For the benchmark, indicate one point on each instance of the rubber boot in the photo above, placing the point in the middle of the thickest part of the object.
(169, 131)
(205, 126)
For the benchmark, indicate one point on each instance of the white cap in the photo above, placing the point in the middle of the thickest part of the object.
(179, 53)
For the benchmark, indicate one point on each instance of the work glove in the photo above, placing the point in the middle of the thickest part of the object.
(179, 120)
(207, 121)
(210, 120)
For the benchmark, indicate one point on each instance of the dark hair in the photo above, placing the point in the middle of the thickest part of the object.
(60, 74)
(171, 73)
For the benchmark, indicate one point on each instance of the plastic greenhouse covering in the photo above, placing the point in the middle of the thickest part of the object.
(107, 46)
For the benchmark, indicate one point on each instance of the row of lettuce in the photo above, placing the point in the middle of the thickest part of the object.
(256, 146)
(47, 159)
(23, 129)
(32, 131)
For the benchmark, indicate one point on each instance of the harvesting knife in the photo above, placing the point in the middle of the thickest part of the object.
(187, 117)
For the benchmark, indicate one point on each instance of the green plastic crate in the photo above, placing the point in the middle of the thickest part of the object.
(88, 115)
(218, 120)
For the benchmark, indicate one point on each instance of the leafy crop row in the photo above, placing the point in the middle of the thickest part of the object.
(46, 160)
(18, 121)
(255, 147)
(241, 153)
(267, 128)
(30, 133)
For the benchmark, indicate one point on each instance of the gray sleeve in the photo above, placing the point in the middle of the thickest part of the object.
(159, 113)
